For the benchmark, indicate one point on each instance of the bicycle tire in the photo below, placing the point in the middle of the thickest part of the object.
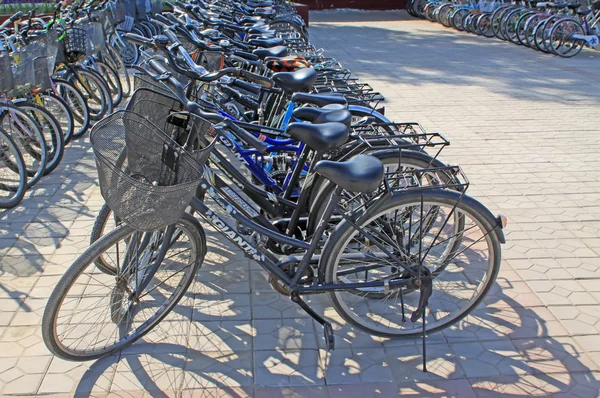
(129, 52)
(521, 32)
(555, 44)
(93, 88)
(13, 174)
(78, 105)
(98, 230)
(115, 61)
(31, 143)
(50, 128)
(112, 80)
(51, 335)
(338, 242)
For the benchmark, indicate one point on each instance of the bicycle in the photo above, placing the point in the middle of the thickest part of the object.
(394, 267)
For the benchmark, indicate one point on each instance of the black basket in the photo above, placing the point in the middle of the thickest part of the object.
(95, 38)
(166, 112)
(17, 74)
(6, 83)
(74, 44)
(118, 12)
(145, 177)
(141, 9)
(130, 8)
(54, 49)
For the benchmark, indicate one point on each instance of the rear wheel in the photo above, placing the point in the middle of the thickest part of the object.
(484, 25)
(458, 18)
(465, 274)
(77, 104)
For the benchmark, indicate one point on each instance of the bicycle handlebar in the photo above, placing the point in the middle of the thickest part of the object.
(195, 109)
(12, 19)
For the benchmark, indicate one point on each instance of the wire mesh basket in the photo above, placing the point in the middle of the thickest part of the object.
(166, 112)
(43, 66)
(118, 12)
(130, 8)
(212, 61)
(74, 42)
(106, 18)
(17, 74)
(54, 50)
(156, 6)
(145, 177)
(141, 80)
(6, 83)
(141, 8)
(95, 38)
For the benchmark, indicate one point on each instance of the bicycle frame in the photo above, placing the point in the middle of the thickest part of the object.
(270, 263)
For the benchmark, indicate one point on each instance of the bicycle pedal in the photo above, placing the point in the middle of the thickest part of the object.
(329, 336)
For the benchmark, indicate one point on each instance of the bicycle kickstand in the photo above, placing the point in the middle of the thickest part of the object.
(327, 329)
(426, 291)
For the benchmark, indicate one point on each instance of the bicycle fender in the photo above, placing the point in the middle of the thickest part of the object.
(372, 112)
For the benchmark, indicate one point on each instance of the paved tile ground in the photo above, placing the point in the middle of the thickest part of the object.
(524, 125)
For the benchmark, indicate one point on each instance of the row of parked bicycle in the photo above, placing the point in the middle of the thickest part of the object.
(57, 80)
(306, 174)
(563, 29)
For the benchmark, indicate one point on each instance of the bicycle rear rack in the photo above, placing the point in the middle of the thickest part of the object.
(447, 177)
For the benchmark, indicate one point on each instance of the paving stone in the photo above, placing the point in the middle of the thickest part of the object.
(79, 378)
(482, 359)
(288, 368)
(221, 336)
(232, 335)
(284, 334)
(218, 370)
(356, 366)
(554, 355)
(555, 385)
(157, 372)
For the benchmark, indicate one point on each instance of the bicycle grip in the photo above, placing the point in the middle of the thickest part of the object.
(258, 79)
(253, 88)
(139, 40)
(16, 16)
(11, 19)
(247, 137)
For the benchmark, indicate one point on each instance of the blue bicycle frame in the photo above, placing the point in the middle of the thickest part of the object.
(282, 145)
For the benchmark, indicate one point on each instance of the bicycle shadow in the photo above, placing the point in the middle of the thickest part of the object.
(502, 349)
(428, 52)
(53, 212)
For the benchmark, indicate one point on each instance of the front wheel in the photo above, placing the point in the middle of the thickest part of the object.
(91, 314)
(462, 275)
(13, 175)
(563, 41)
(93, 88)
(77, 104)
